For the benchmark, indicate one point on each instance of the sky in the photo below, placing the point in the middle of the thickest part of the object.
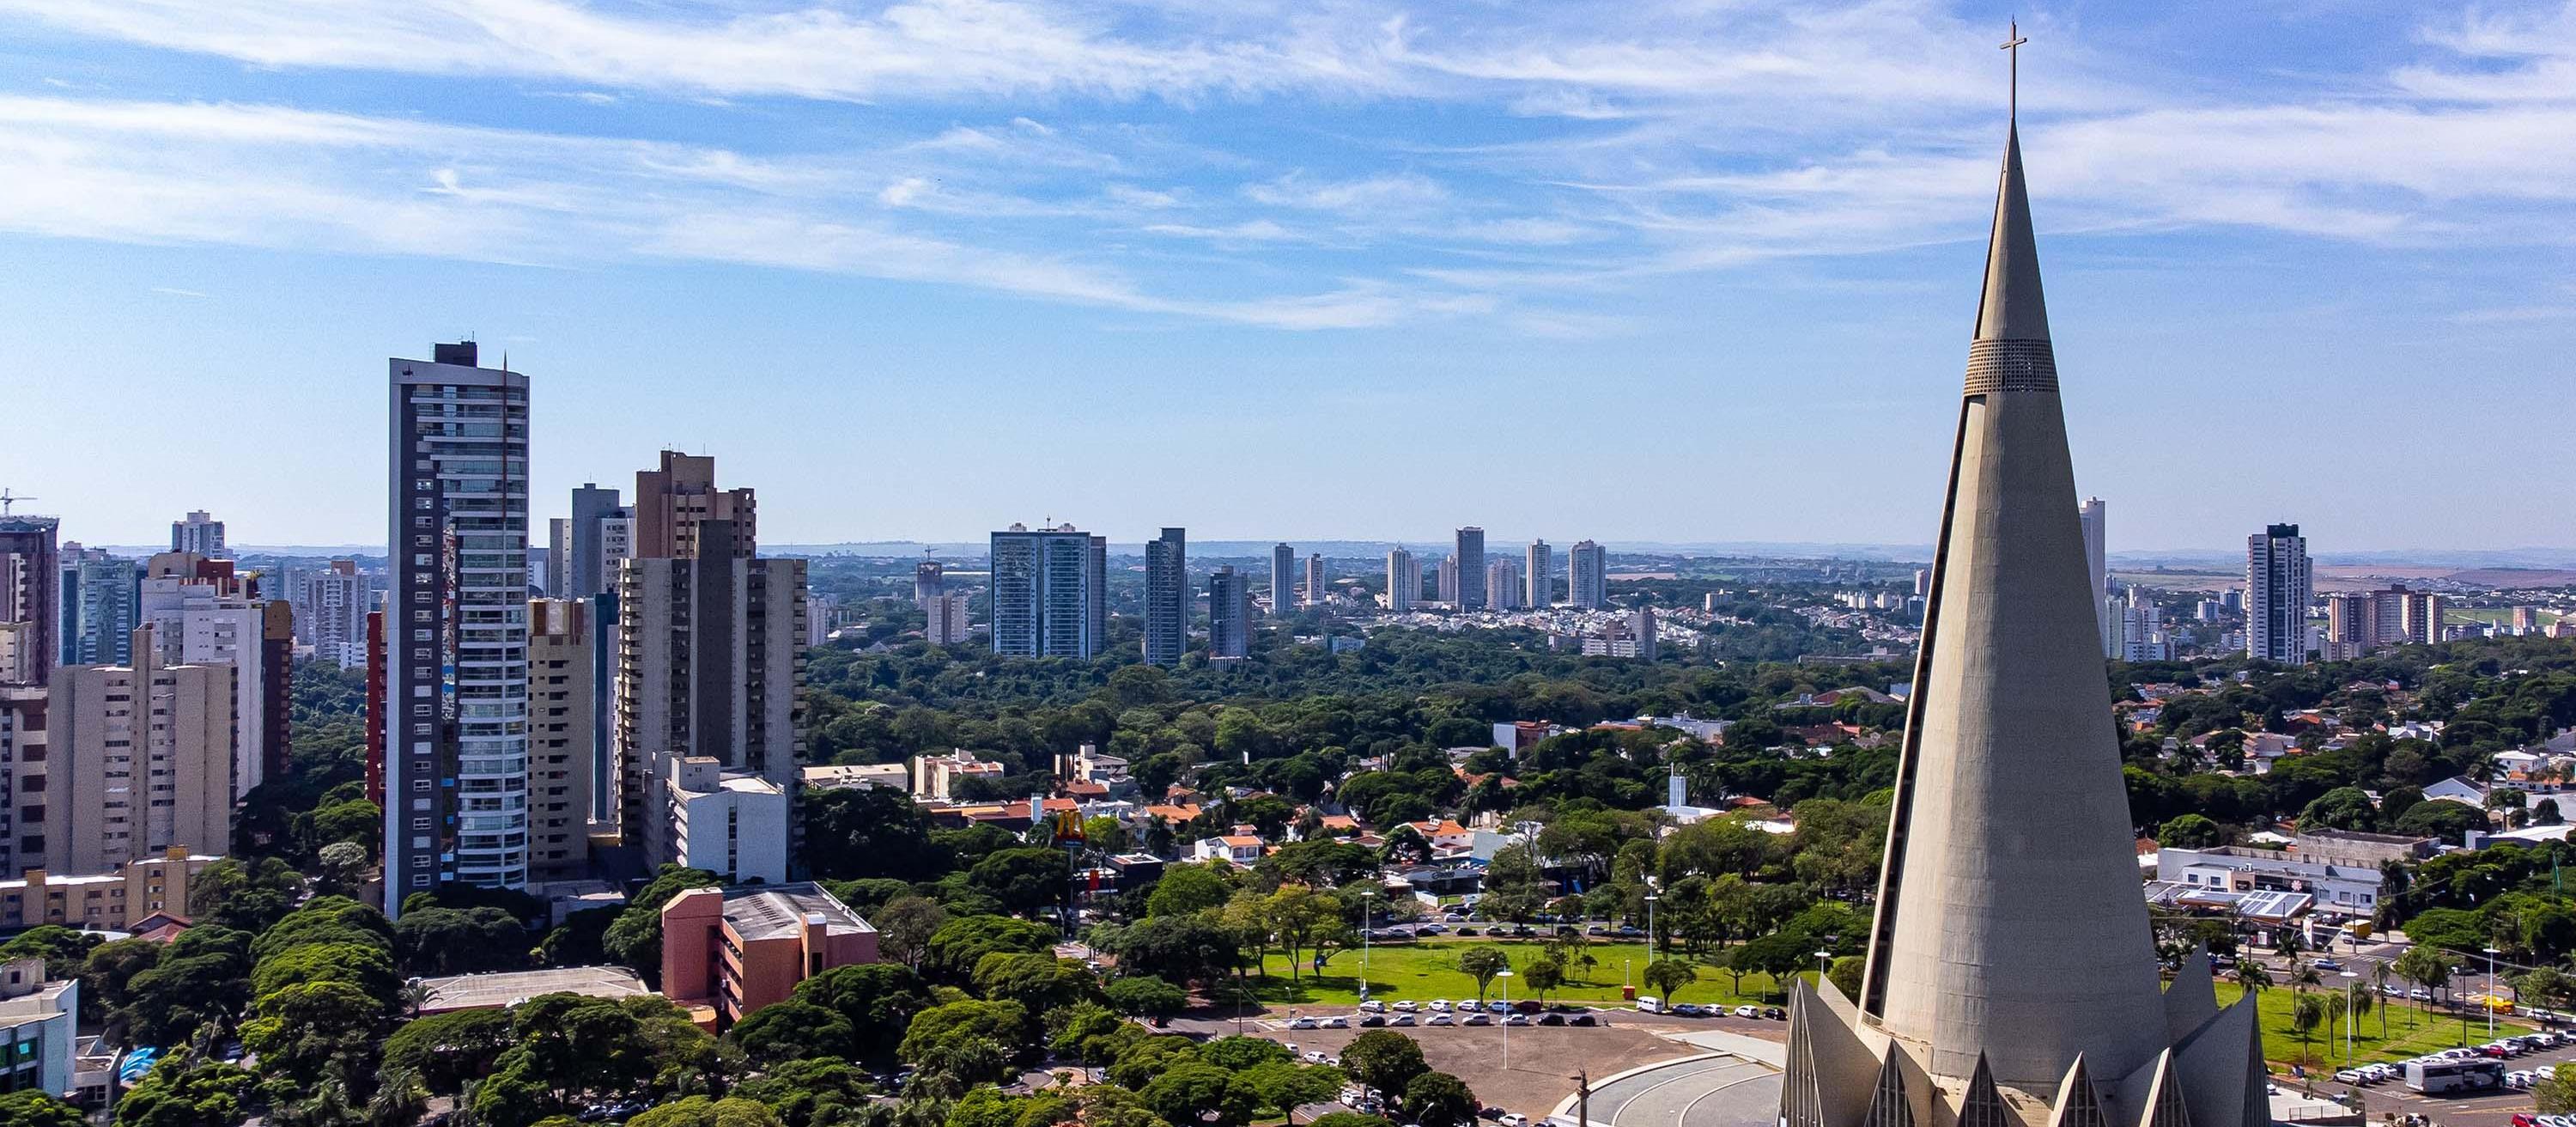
(1667, 270)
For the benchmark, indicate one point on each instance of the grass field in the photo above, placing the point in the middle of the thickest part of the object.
(1423, 971)
(2410, 1033)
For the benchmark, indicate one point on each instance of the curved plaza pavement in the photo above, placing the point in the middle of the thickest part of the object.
(1719, 1090)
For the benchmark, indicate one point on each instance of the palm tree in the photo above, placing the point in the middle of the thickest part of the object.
(2379, 975)
(2252, 976)
(2305, 1015)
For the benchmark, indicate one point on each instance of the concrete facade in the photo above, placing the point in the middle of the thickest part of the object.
(1403, 581)
(562, 692)
(1167, 597)
(1050, 592)
(116, 900)
(727, 952)
(140, 760)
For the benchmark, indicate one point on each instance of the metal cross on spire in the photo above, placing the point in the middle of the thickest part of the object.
(2012, 44)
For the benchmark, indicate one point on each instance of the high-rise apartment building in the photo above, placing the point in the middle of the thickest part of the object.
(139, 760)
(929, 580)
(1050, 593)
(586, 557)
(2092, 516)
(1316, 593)
(1229, 615)
(2278, 589)
(2359, 623)
(1167, 597)
(31, 602)
(1469, 551)
(562, 754)
(199, 535)
(671, 500)
(1403, 581)
(949, 623)
(1444, 583)
(456, 625)
(1537, 571)
(100, 610)
(559, 559)
(1283, 579)
(1503, 588)
(1587, 576)
(711, 666)
(336, 601)
(203, 613)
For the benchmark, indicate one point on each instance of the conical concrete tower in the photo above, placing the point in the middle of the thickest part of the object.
(2011, 965)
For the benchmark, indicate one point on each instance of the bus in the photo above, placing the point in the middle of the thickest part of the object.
(2441, 1077)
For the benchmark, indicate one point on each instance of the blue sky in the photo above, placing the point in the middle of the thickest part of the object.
(1660, 269)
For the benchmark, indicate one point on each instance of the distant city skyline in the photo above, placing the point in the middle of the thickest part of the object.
(924, 277)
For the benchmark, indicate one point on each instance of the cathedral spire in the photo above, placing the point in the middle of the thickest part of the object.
(2012, 307)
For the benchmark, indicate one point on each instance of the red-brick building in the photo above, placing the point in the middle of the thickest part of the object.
(726, 952)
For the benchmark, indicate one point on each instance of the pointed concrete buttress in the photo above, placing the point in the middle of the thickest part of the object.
(2009, 920)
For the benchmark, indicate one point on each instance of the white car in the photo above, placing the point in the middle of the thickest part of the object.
(1649, 1004)
(1440, 1019)
(1337, 1022)
(1440, 1005)
(1304, 1023)
(1372, 1006)
(1313, 1056)
(1748, 1011)
(1408, 1006)
(1513, 1119)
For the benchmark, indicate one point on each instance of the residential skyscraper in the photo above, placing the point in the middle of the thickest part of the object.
(949, 624)
(31, 601)
(100, 610)
(929, 580)
(199, 535)
(2092, 517)
(1229, 615)
(456, 625)
(1283, 579)
(1470, 553)
(1050, 592)
(1445, 581)
(673, 498)
(336, 602)
(2009, 793)
(1587, 576)
(203, 613)
(1403, 581)
(139, 760)
(2278, 589)
(559, 559)
(1537, 570)
(591, 505)
(1167, 597)
(1316, 593)
(1503, 587)
(562, 759)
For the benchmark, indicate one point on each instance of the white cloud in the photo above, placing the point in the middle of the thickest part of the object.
(1375, 195)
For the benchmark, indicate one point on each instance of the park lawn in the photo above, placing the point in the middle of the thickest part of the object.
(1423, 971)
(2410, 1033)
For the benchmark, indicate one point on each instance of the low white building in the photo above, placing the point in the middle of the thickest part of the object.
(1241, 849)
(731, 823)
(2343, 888)
(36, 1029)
(865, 776)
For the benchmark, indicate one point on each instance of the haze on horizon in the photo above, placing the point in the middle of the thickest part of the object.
(1651, 272)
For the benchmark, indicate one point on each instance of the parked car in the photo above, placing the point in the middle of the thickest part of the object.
(1465, 931)
(1498, 1006)
(1440, 1005)
(1407, 1006)
(1597, 929)
(1429, 929)
(1440, 1019)
(1304, 1023)
(1313, 1056)
(1551, 1019)
(1372, 1021)
(1513, 1119)
(1586, 1020)
(1517, 1019)
(1748, 1011)
(1476, 1019)
(1631, 931)
(2350, 1076)
(1372, 1006)
(2327, 965)
(1527, 1006)
(1649, 1004)
(1775, 1013)
(1687, 1009)
(1400, 1020)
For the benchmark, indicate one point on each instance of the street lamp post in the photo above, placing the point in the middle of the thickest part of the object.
(1650, 929)
(1505, 976)
(2351, 995)
(1365, 897)
(2490, 1002)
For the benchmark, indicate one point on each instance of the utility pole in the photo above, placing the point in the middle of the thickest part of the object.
(1582, 1098)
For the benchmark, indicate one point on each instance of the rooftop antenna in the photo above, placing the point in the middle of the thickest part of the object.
(7, 499)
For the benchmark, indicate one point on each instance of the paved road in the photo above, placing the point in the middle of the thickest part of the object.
(1716, 1092)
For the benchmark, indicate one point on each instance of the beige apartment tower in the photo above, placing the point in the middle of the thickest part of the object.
(671, 500)
(140, 761)
(561, 693)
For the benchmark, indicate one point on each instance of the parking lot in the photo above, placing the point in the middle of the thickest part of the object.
(2490, 1107)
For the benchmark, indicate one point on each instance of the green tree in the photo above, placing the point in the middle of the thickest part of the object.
(811, 1093)
(707, 1111)
(185, 1091)
(636, 938)
(794, 1030)
(1203, 1094)
(1005, 1024)
(1545, 973)
(877, 999)
(1437, 1099)
(2425, 967)
(1146, 996)
(1483, 962)
(1667, 977)
(1383, 1059)
(434, 942)
(446, 1050)
(904, 927)
(960, 945)
(1189, 889)
(1845, 973)
(1024, 881)
(2307, 1012)
(2191, 831)
(36, 1109)
(2343, 808)
(2556, 1092)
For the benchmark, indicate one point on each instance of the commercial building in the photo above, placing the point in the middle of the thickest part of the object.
(2093, 516)
(727, 952)
(1283, 579)
(674, 499)
(1167, 597)
(729, 822)
(199, 535)
(1537, 571)
(31, 576)
(949, 621)
(334, 616)
(563, 759)
(115, 900)
(1050, 593)
(1316, 593)
(456, 625)
(1587, 576)
(1403, 580)
(139, 760)
(1229, 615)
(2278, 589)
(38, 1034)
(101, 607)
(2012, 975)
(588, 560)
(1468, 548)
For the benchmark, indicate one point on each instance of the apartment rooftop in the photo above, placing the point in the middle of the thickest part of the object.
(768, 911)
